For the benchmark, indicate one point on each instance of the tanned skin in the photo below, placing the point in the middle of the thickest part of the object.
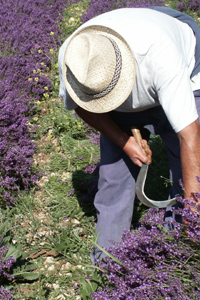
(189, 138)
(104, 124)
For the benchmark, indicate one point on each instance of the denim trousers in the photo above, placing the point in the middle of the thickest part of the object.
(114, 201)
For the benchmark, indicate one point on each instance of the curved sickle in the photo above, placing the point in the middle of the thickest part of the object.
(141, 194)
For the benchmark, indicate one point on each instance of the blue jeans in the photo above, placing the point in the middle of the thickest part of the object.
(114, 200)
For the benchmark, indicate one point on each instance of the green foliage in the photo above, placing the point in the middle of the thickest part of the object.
(58, 162)
(90, 278)
(158, 171)
(69, 241)
(65, 121)
(22, 269)
(58, 121)
(89, 285)
(71, 18)
(49, 148)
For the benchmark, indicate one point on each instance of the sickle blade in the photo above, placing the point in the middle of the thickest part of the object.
(140, 183)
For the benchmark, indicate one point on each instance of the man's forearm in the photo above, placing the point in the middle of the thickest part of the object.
(104, 124)
(190, 157)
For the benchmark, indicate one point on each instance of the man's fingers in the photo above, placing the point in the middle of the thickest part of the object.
(148, 152)
(147, 159)
(137, 162)
(134, 151)
(146, 147)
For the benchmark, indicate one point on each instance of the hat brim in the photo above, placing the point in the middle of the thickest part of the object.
(122, 89)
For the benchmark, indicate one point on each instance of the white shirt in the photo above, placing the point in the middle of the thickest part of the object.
(164, 52)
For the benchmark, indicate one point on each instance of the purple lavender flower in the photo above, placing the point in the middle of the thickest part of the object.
(156, 264)
(99, 7)
(5, 294)
(5, 266)
(25, 36)
(70, 192)
(193, 5)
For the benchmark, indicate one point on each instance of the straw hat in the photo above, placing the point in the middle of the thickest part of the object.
(99, 69)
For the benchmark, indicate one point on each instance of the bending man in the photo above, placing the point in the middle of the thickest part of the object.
(135, 67)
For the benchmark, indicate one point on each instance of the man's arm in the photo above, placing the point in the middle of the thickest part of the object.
(189, 138)
(104, 124)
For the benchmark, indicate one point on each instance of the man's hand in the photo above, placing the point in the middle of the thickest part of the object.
(134, 151)
(104, 124)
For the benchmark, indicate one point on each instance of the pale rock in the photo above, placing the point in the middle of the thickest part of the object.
(56, 286)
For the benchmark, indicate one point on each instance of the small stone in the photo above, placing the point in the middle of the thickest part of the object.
(75, 221)
(60, 297)
(49, 260)
(71, 20)
(51, 268)
(56, 286)
(66, 266)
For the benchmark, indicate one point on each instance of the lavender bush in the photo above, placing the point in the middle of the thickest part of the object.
(5, 266)
(5, 294)
(29, 35)
(189, 5)
(99, 7)
(156, 264)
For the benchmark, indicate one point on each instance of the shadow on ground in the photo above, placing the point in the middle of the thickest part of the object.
(85, 188)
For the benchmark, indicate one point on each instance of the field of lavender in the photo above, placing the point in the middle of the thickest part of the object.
(48, 177)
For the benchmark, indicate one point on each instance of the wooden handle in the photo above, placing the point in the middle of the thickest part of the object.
(137, 135)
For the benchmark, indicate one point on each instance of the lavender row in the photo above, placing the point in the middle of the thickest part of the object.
(99, 7)
(192, 5)
(29, 35)
(156, 263)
